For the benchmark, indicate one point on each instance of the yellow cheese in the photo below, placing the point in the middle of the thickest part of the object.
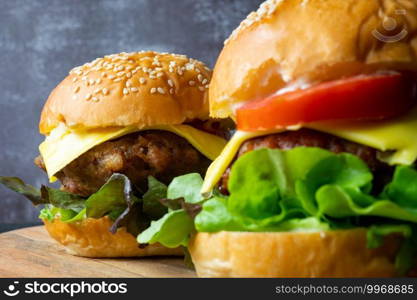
(397, 136)
(64, 145)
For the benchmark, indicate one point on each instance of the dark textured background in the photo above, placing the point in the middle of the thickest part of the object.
(41, 40)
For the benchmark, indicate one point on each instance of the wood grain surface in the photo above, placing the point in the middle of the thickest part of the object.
(30, 252)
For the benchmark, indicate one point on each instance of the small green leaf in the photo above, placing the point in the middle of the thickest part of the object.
(172, 230)
(187, 187)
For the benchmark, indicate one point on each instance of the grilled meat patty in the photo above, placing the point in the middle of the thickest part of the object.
(161, 154)
(311, 138)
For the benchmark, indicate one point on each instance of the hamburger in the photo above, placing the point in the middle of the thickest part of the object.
(319, 179)
(117, 130)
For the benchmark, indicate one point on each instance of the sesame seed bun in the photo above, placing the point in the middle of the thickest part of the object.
(140, 89)
(329, 254)
(91, 238)
(308, 41)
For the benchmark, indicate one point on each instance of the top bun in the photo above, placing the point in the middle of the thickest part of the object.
(140, 89)
(301, 42)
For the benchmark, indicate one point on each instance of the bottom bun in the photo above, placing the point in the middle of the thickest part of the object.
(341, 253)
(91, 238)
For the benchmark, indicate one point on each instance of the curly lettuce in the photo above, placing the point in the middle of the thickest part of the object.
(302, 189)
(115, 199)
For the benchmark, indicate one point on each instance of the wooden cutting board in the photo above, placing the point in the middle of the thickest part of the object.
(30, 252)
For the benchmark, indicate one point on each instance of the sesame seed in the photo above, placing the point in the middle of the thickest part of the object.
(161, 90)
(171, 91)
(96, 91)
(180, 72)
(120, 68)
(200, 77)
(88, 97)
(134, 72)
(95, 99)
(142, 80)
(105, 91)
(205, 81)
(111, 76)
(160, 74)
(98, 80)
(170, 83)
(91, 81)
(197, 70)
(128, 83)
(134, 89)
(152, 77)
(128, 74)
(131, 61)
(125, 91)
(207, 86)
(153, 90)
(84, 78)
(120, 74)
(117, 80)
(201, 88)
(74, 79)
(191, 82)
(171, 70)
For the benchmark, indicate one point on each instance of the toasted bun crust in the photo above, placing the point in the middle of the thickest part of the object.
(324, 254)
(289, 41)
(141, 89)
(91, 238)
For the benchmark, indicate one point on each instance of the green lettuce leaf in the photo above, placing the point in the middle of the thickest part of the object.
(17, 185)
(403, 188)
(175, 227)
(50, 212)
(114, 199)
(172, 230)
(151, 199)
(187, 187)
(115, 194)
(62, 199)
(44, 195)
(336, 202)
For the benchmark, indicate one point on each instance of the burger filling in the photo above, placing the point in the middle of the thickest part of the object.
(120, 173)
(138, 155)
(339, 155)
(312, 138)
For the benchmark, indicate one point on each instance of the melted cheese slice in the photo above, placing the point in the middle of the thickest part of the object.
(64, 145)
(398, 137)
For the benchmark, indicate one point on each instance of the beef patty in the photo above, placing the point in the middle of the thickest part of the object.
(161, 154)
(311, 138)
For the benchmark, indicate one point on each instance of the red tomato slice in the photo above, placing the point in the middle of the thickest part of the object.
(361, 98)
